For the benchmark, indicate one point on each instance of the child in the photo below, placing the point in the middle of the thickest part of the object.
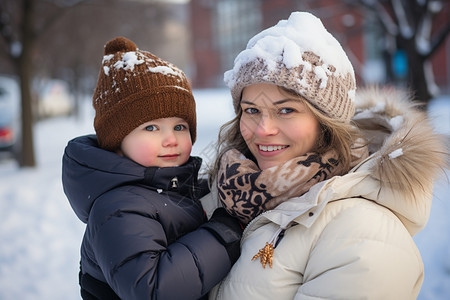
(135, 186)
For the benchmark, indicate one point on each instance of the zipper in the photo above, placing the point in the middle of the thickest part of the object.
(254, 221)
(174, 183)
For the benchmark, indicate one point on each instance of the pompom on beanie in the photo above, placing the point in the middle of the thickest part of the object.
(135, 87)
(300, 55)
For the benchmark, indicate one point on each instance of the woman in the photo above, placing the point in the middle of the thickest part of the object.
(332, 207)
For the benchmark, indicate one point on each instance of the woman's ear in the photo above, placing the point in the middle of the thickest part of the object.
(324, 138)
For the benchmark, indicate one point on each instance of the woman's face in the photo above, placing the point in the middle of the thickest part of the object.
(275, 127)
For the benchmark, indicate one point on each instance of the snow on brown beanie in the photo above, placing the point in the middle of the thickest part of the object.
(300, 55)
(135, 87)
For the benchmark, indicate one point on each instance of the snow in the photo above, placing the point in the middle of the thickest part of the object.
(107, 58)
(129, 60)
(106, 70)
(40, 234)
(285, 44)
(396, 122)
(396, 153)
(163, 70)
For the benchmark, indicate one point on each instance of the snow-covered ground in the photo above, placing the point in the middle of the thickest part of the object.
(40, 235)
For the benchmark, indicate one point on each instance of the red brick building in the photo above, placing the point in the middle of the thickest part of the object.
(221, 28)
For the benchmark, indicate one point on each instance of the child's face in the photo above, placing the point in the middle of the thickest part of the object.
(159, 143)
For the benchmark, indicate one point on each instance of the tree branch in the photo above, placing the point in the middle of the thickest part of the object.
(423, 30)
(402, 18)
(62, 10)
(379, 12)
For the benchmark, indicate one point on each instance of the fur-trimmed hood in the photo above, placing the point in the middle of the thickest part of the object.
(406, 154)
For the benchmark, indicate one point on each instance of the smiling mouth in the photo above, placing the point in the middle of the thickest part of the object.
(169, 156)
(270, 148)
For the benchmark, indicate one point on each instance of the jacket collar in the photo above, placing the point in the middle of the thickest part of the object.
(89, 171)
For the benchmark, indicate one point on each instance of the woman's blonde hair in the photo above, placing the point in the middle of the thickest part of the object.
(334, 135)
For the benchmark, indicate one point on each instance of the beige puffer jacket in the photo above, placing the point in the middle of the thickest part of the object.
(350, 237)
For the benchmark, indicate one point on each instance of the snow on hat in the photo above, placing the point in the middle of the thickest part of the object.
(300, 55)
(135, 87)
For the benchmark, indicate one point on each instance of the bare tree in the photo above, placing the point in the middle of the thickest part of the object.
(72, 48)
(64, 38)
(416, 27)
(20, 28)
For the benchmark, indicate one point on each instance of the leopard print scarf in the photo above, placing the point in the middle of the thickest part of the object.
(246, 191)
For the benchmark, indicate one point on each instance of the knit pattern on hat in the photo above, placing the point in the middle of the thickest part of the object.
(300, 55)
(134, 87)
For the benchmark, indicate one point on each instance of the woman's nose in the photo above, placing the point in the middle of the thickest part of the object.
(267, 126)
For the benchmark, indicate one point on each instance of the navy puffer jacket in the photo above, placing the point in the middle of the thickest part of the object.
(142, 235)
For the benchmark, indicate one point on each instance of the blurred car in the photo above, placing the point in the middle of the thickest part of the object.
(54, 98)
(9, 113)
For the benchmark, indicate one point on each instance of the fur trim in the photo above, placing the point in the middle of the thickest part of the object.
(410, 155)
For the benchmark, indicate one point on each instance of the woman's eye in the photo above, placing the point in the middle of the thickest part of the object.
(179, 127)
(151, 128)
(285, 111)
(251, 110)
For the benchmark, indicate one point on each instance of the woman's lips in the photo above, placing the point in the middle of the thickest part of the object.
(270, 150)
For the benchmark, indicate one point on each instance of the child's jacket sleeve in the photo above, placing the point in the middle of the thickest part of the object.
(138, 262)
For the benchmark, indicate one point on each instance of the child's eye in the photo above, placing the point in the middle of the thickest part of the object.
(151, 128)
(251, 110)
(179, 127)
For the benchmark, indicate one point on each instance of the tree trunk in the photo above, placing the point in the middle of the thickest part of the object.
(419, 82)
(417, 79)
(27, 156)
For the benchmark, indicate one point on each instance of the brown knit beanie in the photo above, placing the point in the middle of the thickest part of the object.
(300, 55)
(135, 87)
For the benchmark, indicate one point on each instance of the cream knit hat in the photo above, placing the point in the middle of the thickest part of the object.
(301, 55)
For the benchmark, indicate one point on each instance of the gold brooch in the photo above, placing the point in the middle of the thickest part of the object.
(265, 255)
